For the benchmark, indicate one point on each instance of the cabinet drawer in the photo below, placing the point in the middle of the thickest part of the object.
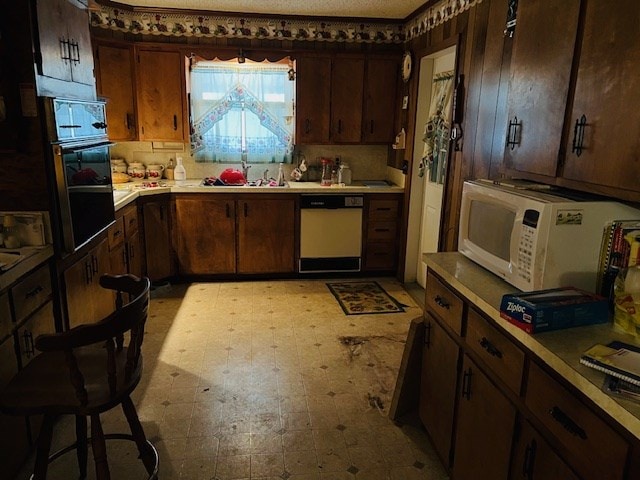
(116, 233)
(503, 357)
(593, 448)
(383, 209)
(444, 303)
(380, 256)
(130, 220)
(5, 316)
(382, 231)
(31, 292)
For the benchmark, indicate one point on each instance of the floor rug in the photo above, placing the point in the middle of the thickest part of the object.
(361, 298)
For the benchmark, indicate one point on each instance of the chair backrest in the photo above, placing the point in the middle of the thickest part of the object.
(128, 317)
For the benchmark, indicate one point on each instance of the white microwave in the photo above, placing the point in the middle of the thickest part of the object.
(535, 239)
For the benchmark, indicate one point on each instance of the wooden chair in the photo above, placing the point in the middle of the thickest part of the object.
(84, 372)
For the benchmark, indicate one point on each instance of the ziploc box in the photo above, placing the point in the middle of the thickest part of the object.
(554, 309)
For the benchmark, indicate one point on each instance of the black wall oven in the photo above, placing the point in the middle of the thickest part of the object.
(82, 170)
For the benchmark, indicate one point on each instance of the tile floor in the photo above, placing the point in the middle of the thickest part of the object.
(250, 380)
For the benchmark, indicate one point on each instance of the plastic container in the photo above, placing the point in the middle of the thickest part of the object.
(626, 290)
(344, 174)
(179, 173)
(169, 170)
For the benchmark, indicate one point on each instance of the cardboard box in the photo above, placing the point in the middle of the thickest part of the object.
(554, 309)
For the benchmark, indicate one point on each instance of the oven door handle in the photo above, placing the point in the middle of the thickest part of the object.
(84, 146)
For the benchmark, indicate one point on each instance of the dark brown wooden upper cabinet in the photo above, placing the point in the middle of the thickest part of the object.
(313, 99)
(540, 73)
(602, 146)
(115, 83)
(64, 45)
(347, 80)
(380, 89)
(160, 77)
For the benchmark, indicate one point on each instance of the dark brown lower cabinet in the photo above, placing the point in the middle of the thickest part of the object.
(266, 235)
(156, 215)
(484, 430)
(534, 458)
(438, 386)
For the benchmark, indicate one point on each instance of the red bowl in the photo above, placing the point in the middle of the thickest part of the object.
(231, 176)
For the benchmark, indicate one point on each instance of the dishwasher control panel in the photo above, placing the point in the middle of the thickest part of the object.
(331, 201)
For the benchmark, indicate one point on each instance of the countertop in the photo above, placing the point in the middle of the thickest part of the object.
(33, 257)
(125, 193)
(560, 349)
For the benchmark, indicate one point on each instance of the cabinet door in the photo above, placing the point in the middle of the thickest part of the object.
(380, 86)
(533, 458)
(313, 99)
(65, 42)
(607, 93)
(347, 77)
(118, 259)
(438, 386)
(266, 235)
(102, 299)
(206, 235)
(159, 86)
(134, 254)
(77, 280)
(115, 83)
(41, 322)
(157, 239)
(52, 31)
(485, 427)
(540, 69)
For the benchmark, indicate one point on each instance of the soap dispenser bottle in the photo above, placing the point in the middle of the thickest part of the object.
(179, 173)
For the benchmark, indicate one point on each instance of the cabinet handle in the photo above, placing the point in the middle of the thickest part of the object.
(371, 127)
(87, 272)
(125, 259)
(513, 137)
(246, 209)
(175, 122)
(117, 233)
(307, 126)
(466, 384)
(578, 136)
(129, 121)
(383, 209)
(490, 347)
(132, 251)
(567, 423)
(228, 210)
(75, 55)
(441, 302)
(381, 230)
(427, 335)
(94, 264)
(29, 348)
(529, 459)
(99, 125)
(65, 49)
(33, 292)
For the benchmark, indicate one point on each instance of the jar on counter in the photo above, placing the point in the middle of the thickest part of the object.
(327, 169)
(136, 170)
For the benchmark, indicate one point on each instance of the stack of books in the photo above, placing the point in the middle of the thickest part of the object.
(620, 249)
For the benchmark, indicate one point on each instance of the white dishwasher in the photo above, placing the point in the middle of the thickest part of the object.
(330, 233)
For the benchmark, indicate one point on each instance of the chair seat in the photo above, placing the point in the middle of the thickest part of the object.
(44, 387)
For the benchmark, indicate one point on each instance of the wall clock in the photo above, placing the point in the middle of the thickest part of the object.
(406, 66)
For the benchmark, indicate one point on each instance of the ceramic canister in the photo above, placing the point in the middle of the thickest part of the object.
(118, 165)
(136, 170)
(155, 171)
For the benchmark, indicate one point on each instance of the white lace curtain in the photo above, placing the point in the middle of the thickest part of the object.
(242, 111)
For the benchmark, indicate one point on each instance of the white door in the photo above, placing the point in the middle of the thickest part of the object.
(438, 105)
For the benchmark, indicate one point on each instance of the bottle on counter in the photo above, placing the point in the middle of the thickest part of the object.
(169, 170)
(179, 173)
(344, 174)
(280, 176)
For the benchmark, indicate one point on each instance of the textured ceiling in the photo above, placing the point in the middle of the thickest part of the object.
(391, 9)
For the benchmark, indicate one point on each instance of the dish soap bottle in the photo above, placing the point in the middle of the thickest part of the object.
(179, 173)
(168, 172)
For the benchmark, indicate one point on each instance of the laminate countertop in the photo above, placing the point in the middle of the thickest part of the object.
(560, 349)
(125, 193)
